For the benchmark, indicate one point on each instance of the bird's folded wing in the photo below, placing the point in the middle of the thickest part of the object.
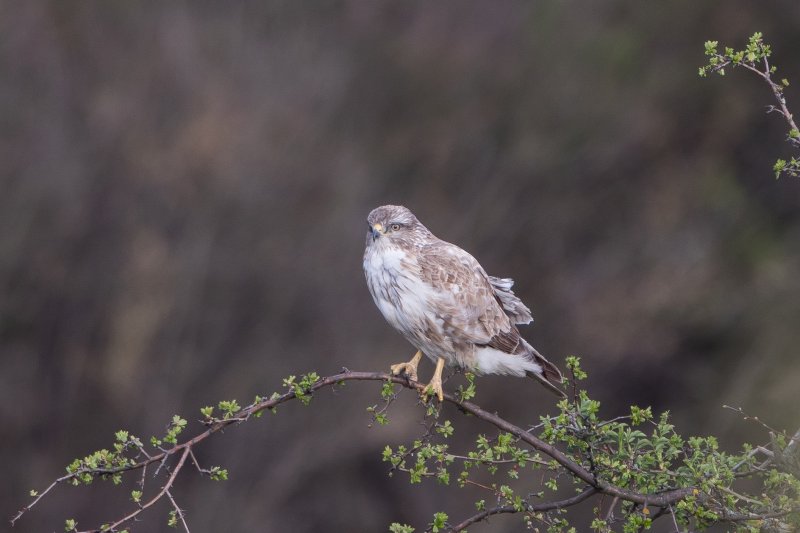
(466, 300)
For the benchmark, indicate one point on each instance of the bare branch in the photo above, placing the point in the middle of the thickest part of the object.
(39, 497)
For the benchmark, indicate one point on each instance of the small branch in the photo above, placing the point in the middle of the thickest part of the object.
(483, 515)
(790, 447)
(530, 508)
(674, 520)
(739, 496)
(755, 419)
(777, 90)
(178, 511)
(751, 453)
(745, 517)
(610, 512)
(755, 58)
(766, 75)
(496, 461)
(39, 497)
(479, 485)
(155, 498)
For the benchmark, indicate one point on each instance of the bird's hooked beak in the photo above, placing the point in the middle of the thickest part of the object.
(376, 230)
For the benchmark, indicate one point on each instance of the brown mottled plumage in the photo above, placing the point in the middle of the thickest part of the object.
(443, 302)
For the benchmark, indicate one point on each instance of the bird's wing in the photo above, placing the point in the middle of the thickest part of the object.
(517, 311)
(465, 299)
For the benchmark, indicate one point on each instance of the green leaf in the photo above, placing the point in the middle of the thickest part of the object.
(468, 393)
(218, 474)
(446, 429)
(387, 391)
(778, 167)
(229, 407)
(574, 365)
(439, 522)
(639, 415)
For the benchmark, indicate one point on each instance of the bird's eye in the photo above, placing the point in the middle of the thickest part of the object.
(395, 227)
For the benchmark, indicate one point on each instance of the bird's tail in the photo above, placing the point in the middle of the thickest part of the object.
(549, 376)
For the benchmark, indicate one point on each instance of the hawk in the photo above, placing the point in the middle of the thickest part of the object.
(445, 304)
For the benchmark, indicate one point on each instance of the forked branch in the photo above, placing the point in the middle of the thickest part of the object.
(594, 484)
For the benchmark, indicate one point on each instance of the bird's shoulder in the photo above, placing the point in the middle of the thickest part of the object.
(444, 263)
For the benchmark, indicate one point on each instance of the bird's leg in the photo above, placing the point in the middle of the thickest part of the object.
(435, 386)
(410, 368)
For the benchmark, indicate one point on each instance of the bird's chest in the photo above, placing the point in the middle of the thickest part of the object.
(394, 281)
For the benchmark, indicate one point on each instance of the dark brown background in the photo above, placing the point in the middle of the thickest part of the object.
(184, 189)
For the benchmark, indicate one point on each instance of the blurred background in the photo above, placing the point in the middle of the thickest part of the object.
(182, 219)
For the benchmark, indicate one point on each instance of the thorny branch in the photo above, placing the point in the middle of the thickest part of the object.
(766, 75)
(664, 501)
(164, 491)
(755, 58)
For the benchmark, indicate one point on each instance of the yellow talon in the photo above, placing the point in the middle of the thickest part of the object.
(409, 368)
(435, 386)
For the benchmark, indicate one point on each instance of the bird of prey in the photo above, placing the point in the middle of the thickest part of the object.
(445, 304)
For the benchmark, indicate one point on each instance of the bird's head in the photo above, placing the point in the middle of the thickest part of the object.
(393, 224)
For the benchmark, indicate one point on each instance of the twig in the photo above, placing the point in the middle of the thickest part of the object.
(496, 461)
(674, 520)
(483, 515)
(739, 496)
(751, 453)
(611, 507)
(744, 517)
(40, 496)
(178, 512)
(755, 419)
(531, 508)
(766, 75)
(479, 485)
(155, 498)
